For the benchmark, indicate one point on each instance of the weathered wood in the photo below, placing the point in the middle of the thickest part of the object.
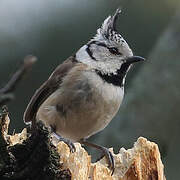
(38, 156)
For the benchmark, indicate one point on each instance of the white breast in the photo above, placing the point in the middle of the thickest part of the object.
(108, 91)
(109, 99)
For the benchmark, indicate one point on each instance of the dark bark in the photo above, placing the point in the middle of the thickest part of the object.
(35, 158)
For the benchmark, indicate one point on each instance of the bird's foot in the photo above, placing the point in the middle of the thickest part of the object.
(105, 152)
(66, 141)
(109, 157)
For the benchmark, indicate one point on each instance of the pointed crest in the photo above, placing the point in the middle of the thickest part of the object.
(109, 25)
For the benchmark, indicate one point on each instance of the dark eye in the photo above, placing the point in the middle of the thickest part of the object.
(114, 50)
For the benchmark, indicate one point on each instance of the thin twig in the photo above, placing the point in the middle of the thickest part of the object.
(6, 92)
(17, 76)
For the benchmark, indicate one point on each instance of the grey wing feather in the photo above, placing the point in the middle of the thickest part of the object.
(47, 89)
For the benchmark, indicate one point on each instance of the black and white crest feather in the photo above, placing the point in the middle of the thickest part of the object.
(107, 50)
(108, 29)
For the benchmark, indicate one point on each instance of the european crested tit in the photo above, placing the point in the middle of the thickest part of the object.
(84, 93)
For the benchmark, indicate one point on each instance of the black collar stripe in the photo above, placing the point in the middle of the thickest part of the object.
(115, 79)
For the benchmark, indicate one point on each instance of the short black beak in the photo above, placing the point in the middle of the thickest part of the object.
(134, 59)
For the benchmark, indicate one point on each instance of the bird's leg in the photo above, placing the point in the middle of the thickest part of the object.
(105, 151)
(66, 141)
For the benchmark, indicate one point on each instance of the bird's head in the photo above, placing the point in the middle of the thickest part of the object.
(107, 51)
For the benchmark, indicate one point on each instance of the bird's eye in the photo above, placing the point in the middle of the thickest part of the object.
(114, 50)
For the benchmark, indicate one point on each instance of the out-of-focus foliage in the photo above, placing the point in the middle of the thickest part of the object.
(54, 29)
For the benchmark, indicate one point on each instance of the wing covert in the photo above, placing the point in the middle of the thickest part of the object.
(47, 88)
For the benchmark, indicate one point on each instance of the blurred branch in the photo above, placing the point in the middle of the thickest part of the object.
(6, 92)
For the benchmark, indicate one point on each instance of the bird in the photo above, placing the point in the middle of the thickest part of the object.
(84, 93)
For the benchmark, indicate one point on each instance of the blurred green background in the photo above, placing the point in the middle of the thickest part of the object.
(53, 30)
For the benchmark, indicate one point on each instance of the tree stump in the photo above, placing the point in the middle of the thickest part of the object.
(36, 156)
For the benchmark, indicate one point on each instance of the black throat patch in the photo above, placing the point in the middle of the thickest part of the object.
(115, 79)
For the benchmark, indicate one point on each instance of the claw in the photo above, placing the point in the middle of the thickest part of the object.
(70, 145)
(109, 157)
(66, 141)
(106, 153)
